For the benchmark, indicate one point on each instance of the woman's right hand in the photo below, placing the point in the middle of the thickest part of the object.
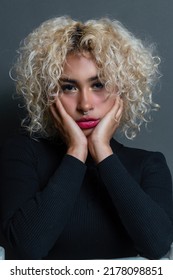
(73, 136)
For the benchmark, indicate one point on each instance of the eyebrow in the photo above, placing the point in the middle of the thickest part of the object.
(73, 81)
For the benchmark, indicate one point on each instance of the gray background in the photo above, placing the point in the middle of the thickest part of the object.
(146, 18)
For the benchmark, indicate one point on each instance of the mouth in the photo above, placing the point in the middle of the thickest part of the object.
(86, 123)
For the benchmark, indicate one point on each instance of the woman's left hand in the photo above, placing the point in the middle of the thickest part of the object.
(99, 140)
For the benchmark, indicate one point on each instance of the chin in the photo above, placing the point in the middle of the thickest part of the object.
(87, 132)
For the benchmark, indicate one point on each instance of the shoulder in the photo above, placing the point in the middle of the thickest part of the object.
(142, 163)
(137, 156)
(19, 142)
(23, 144)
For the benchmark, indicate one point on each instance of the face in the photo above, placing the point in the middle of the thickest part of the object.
(83, 95)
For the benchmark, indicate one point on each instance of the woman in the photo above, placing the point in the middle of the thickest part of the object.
(69, 190)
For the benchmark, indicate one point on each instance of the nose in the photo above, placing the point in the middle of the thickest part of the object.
(85, 101)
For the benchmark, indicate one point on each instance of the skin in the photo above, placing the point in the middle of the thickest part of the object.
(81, 91)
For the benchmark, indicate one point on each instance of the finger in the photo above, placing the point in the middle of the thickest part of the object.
(55, 117)
(60, 108)
(54, 112)
(62, 115)
(117, 112)
(58, 111)
(116, 105)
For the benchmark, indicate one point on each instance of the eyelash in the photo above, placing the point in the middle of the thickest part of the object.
(71, 88)
(98, 85)
(68, 87)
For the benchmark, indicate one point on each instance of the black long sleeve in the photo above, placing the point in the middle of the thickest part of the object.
(35, 218)
(55, 207)
(145, 210)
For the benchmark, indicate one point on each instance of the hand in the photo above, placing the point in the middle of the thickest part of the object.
(70, 131)
(99, 140)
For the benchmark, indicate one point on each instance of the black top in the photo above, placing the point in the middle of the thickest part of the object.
(53, 206)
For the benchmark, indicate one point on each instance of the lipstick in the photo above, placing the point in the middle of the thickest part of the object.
(86, 123)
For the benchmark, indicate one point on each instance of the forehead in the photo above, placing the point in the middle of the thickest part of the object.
(79, 66)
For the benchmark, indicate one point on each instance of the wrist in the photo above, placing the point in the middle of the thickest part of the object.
(100, 151)
(78, 152)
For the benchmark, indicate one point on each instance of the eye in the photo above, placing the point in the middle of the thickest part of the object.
(98, 86)
(68, 88)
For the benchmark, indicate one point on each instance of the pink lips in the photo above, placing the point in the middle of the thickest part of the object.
(86, 123)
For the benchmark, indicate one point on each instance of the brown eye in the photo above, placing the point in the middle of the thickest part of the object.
(97, 86)
(68, 88)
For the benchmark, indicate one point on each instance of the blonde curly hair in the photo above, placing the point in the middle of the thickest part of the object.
(123, 61)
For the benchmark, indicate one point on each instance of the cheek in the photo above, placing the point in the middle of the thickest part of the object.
(69, 104)
(104, 98)
(106, 104)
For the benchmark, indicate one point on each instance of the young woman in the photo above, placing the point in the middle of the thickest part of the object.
(69, 190)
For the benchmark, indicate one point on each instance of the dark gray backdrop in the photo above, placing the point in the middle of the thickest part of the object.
(146, 18)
